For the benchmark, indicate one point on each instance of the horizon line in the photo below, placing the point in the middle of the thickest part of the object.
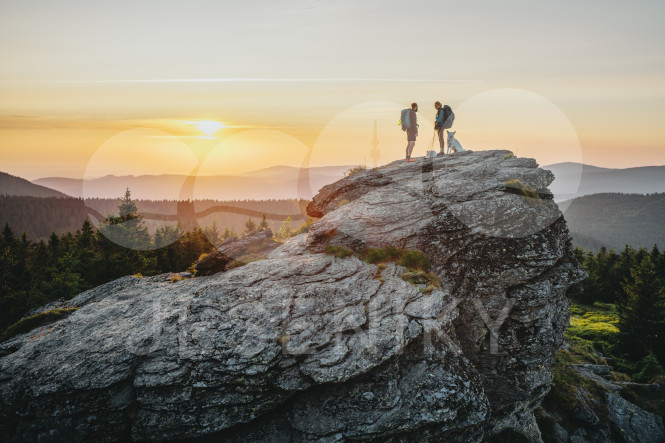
(278, 166)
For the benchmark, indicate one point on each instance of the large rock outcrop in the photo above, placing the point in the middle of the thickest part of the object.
(305, 346)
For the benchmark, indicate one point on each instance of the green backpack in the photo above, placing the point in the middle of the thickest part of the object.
(405, 119)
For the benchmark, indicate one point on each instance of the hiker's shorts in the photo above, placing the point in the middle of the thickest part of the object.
(411, 135)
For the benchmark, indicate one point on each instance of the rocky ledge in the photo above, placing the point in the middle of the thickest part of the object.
(311, 344)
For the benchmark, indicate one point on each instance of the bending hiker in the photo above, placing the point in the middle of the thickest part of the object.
(411, 130)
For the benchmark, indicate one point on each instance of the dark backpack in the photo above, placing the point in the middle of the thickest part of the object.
(448, 117)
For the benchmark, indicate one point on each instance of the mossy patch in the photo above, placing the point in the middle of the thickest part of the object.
(566, 383)
(596, 326)
(414, 261)
(381, 255)
(410, 259)
(338, 251)
(515, 186)
(35, 321)
(420, 277)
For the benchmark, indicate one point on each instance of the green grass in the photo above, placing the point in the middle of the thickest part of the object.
(381, 255)
(515, 186)
(597, 324)
(338, 251)
(414, 261)
(592, 329)
(410, 259)
(35, 321)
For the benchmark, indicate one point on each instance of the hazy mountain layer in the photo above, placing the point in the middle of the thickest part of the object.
(12, 185)
(616, 220)
(575, 180)
(279, 182)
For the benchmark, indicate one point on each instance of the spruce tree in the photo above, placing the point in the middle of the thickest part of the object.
(250, 225)
(642, 312)
(7, 234)
(127, 207)
(212, 233)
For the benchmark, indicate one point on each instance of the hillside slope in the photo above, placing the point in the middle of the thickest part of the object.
(616, 220)
(279, 182)
(575, 180)
(12, 185)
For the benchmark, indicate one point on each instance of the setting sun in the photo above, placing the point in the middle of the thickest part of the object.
(208, 127)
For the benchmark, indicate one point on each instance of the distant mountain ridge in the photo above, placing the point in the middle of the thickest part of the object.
(12, 185)
(277, 182)
(616, 220)
(571, 180)
(576, 180)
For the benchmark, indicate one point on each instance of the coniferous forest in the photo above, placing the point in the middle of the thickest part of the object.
(33, 273)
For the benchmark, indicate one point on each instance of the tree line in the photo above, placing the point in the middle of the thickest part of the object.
(33, 273)
(38, 217)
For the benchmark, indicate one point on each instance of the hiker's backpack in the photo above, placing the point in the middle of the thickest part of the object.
(448, 117)
(405, 119)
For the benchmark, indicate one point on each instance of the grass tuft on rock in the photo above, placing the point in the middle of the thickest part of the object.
(416, 263)
(35, 321)
(515, 186)
(355, 170)
(338, 251)
(420, 277)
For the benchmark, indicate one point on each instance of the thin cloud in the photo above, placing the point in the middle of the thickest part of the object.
(255, 80)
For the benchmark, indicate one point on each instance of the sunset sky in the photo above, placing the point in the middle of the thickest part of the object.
(96, 88)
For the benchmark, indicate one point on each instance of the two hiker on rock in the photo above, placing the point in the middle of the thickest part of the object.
(444, 120)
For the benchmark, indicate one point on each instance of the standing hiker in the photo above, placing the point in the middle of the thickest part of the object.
(444, 120)
(411, 131)
(438, 126)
